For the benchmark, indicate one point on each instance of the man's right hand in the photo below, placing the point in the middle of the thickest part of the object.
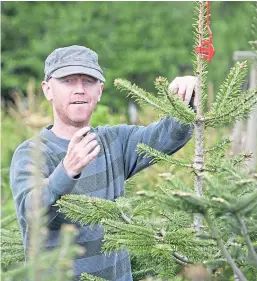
(81, 151)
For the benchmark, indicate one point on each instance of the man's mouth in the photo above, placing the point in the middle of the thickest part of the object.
(78, 102)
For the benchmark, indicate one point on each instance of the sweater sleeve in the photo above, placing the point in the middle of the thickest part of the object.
(22, 180)
(168, 136)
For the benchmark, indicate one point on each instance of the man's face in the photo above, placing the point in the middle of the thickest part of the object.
(74, 97)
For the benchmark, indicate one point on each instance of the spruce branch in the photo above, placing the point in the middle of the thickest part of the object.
(221, 205)
(88, 210)
(180, 200)
(220, 243)
(89, 277)
(11, 256)
(174, 183)
(230, 88)
(183, 240)
(164, 198)
(237, 109)
(238, 159)
(221, 145)
(11, 246)
(116, 242)
(142, 209)
(222, 164)
(140, 274)
(47, 260)
(118, 235)
(162, 84)
(193, 202)
(141, 96)
(178, 219)
(121, 235)
(10, 275)
(247, 238)
(162, 249)
(177, 109)
(126, 218)
(122, 228)
(158, 156)
(245, 203)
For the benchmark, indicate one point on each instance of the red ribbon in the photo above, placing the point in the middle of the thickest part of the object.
(206, 49)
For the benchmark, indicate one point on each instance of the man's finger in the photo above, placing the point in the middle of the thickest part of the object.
(87, 139)
(92, 155)
(89, 147)
(78, 136)
(182, 91)
(189, 92)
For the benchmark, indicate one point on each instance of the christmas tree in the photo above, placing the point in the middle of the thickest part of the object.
(208, 228)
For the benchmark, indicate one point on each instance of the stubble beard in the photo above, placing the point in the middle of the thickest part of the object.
(66, 118)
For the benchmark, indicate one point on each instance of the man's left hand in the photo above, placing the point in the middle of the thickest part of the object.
(185, 87)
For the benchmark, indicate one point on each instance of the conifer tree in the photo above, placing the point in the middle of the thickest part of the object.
(211, 223)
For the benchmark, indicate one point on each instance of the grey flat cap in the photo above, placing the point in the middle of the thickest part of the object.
(73, 60)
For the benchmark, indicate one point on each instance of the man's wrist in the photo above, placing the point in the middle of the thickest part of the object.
(73, 175)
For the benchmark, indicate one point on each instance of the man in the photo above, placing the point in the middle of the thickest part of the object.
(85, 160)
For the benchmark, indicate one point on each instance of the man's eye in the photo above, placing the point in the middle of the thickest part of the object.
(88, 81)
(68, 80)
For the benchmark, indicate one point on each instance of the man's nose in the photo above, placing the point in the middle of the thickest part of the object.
(80, 89)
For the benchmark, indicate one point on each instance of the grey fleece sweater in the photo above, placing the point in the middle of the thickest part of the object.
(104, 177)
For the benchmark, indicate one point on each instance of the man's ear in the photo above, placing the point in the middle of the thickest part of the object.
(46, 87)
(100, 92)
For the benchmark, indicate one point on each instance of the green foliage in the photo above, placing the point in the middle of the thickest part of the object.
(12, 247)
(88, 277)
(162, 241)
(135, 40)
(231, 104)
(51, 265)
(11, 242)
(127, 226)
(82, 209)
(103, 115)
(169, 104)
(232, 222)
(160, 157)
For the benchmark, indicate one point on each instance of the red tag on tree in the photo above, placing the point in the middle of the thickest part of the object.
(206, 48)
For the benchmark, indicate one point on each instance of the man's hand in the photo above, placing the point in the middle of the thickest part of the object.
(82, 149)
(184, 87)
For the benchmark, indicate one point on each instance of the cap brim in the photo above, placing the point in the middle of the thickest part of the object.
(77, 69)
